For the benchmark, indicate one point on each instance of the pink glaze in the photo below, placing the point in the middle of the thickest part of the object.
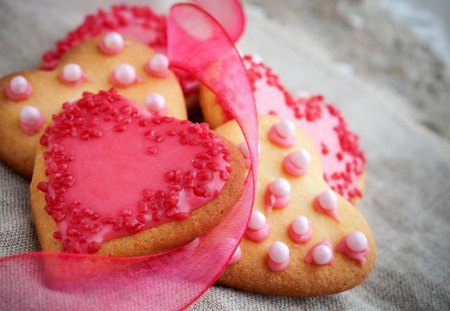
(156, 104)
(124, 75)
(158, 66)
(236, 256)
(72, 75)
(18, 88)
(296, 163)
(277, 194)
(278, 258)
(112, 43)
(283, 134)
(354, 246)
(342, 159)
(31, 119)
(245, 154)
(118, 171)
(326, 203)
(300, 230)
(321, 254)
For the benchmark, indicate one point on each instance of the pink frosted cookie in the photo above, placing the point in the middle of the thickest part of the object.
(342, 159)
(31, 98)
(302, 238)
(113, 178)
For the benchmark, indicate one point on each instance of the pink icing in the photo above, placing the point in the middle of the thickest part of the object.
(158, 66)
(300, 237)
(278, 258)
(326, 203)
(31, 119)
(321, 254)
(122, 172)
(283, 134)
(124, 75)
(296, 163)
(354, 246)
(258, 235)
(277, 194)
(236, 256)
(18, 88)
(112, 43)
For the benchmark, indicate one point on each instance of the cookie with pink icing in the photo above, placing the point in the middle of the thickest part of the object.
(343, 160)
(302, 238)
(115, 179)
(29, 99)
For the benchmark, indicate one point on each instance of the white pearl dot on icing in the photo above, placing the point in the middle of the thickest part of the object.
(280, 187)
(257, 221)
(322, 254)
(278, 252)
(356, 241)
(72, 73)
(125, 74)
(30, 115)
(328, 200)
(113, 41)
(155, 102)
(301, 158)
(285, 128)
(18, 85)
(159, 63)
(300, 225)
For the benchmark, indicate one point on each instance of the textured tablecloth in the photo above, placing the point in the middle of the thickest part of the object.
(407, 197)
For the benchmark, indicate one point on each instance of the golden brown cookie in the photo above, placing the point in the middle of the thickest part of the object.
(29, 99)
(112, 179)
(302, 238)
(342, 158)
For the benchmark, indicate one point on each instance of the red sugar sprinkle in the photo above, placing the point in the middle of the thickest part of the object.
(83, 229)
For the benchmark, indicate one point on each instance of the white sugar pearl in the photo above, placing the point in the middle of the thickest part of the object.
(159, 63)
(278, 252)
(113, 41)
(155, 102)
(285, 128)
(280, 187)
(357, 241)
(322, 255)
(72, 73)
(301, 158)
(300, 225)
(328, 200)
(30, 115)
(257, 221)
(18, 85)
(125, 74)
(244, 150)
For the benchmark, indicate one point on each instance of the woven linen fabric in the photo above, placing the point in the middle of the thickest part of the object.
(407, 195)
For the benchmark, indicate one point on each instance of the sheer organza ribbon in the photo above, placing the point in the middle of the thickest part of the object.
(171, 280)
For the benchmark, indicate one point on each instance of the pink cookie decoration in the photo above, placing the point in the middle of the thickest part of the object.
(124, 75)
(112, 43)
(245, 154)
(321, 254)
(297, 162)
(283, 133)
(18, 88)
(278, 257)
(236, 256)
(158, 66)
(31, 119)
(72, 75)
(258, 229)
(326, 203)
(277, 194)
(156, 104)
(300, 230)
(354, 246)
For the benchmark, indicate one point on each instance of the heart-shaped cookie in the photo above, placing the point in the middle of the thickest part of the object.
(342, 159)
(113, 179)
(302, 238)
(29, 99)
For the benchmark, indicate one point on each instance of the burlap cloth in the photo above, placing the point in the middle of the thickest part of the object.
(407, 197)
